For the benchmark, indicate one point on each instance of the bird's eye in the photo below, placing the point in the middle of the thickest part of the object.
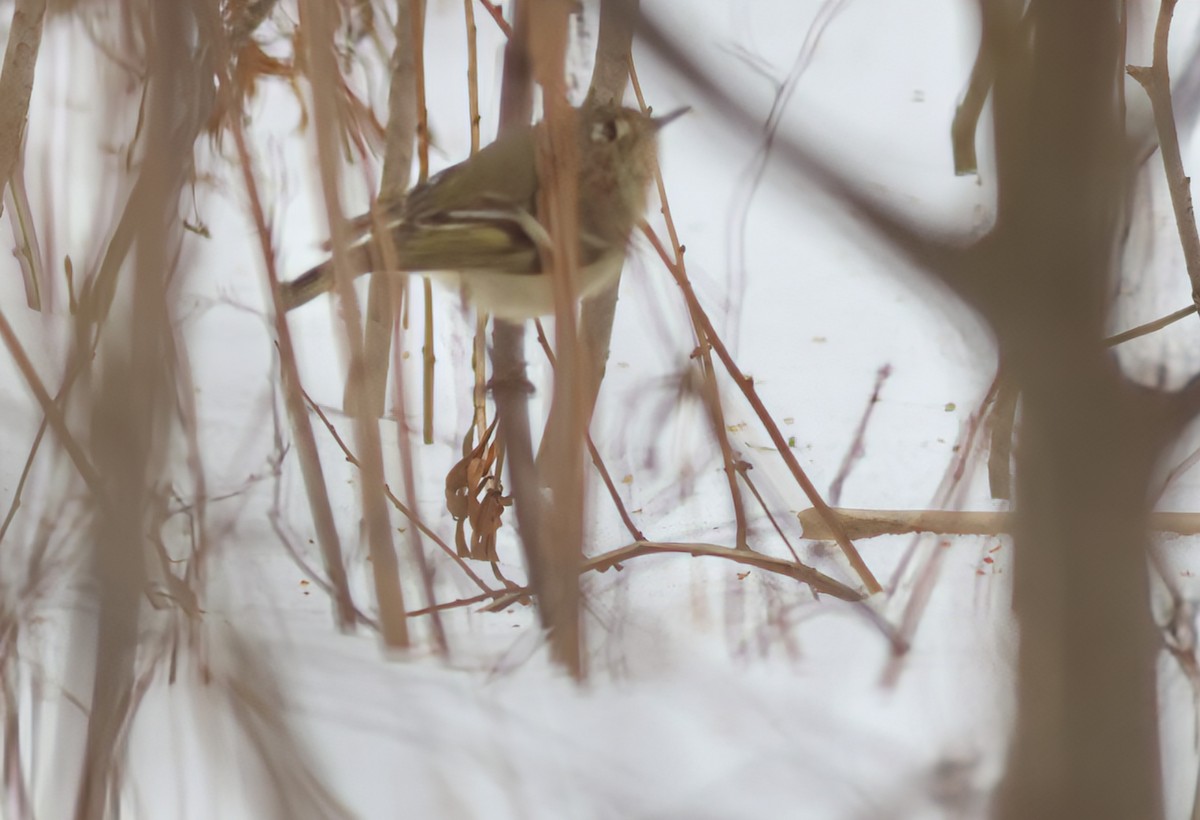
(609, 130)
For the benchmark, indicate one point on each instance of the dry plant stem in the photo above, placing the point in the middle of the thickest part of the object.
(614, 40)
(16, 80)
(404, 510)
(130, 408)
(277, 518)
(428, 360)
(762, 503)
(631, 527)
(874, 523)
(746, 385)
(712, 394)
(186, 411)
(479, 345)
(1150, 327)
(856, 450)
(15, 504)
(510, 392)
(345, 611)
(966, 115)
(716, 415)
(610, 76)
(924, 580)
(498, 16)
(558, 172)
(596, 316)
(472, 73)
(404, 436)
(28, 251)
(860, 524)
(461, 602)
(509, 383)
(1157, 81)
(384, 564)
(1086, 741)
(406, 100)
(516, 88)
(405, 96)
(306, 444)
(818, 581)
(17, 800)
(422, 110)
(382, 293)
(479, 374)
(54, 414)
(1006, 395)
(983, 73)
(390, 262)
(1002, 397)
(595, 454)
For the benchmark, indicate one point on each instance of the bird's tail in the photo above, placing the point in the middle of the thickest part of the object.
(307, 287)
(320, 279)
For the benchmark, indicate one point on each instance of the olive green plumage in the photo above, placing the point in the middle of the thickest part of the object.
(477, 220)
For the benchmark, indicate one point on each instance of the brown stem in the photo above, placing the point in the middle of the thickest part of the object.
(746, 385)
(306, 444)
(874, 523)
(595, 454)
(557, 162)
(384, 564)
(16, 80)
(1156, 79)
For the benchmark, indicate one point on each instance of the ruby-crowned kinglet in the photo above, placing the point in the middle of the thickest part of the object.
(477, 220)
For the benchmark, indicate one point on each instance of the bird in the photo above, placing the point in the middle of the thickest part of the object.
(477, 222)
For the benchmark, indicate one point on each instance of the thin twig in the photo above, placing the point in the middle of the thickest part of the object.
(767, 511)
(472, 73)
(498, 16)
(479, 342)
(310, 461)
(28, 252)
(396, 502)
(746, 385)
(1150, 327)
(856, 450)
(819, 581)
(54, 414)
(1156, 79)
(711, 392)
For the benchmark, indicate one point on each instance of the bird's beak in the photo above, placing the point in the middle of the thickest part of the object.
(666, 119)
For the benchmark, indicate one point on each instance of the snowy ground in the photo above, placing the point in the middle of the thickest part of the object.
(715, 693)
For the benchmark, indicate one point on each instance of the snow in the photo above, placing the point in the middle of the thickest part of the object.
(713, 693)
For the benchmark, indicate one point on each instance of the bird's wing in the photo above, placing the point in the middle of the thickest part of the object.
(501, 173)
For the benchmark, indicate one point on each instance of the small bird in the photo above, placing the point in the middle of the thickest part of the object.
(477, 221)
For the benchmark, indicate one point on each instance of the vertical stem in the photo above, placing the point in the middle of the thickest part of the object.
(384, 564)
(1086, 740)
